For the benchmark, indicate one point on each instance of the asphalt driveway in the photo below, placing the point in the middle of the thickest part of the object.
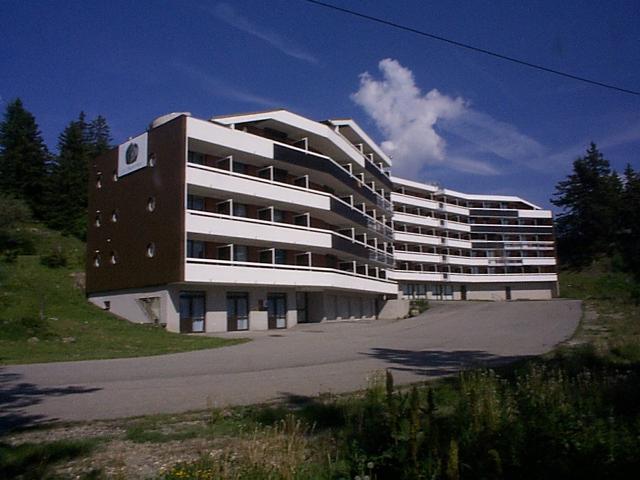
(306, 360)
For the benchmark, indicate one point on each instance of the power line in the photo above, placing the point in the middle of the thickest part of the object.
(469, 47)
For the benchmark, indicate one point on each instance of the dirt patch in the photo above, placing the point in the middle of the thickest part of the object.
(116, 456)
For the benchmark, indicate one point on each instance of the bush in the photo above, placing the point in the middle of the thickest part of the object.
(416, 307)
(56, 259)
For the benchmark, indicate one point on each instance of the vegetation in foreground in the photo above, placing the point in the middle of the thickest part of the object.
(571, 414)
(45, 317)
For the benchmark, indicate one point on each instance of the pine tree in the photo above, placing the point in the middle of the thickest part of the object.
(630, 215)
(67, 192)
(99, 136)
(23, 157)
(591, 202)
(78, 145)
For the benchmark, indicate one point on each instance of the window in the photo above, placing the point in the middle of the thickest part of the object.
(266, 256)
(239, 167)
(151, 250)
(195, 157)
(151, 204)
(114, 216)
(98, 220)
(239, 210)
(151, 161)
(99, 180)
(280, 256)
(114, 258)
(115, 176)
(303, 220)
(240, 253)
(265, 214)
(280, 175)
(97, 259)
(195, 249)
(278, 215)
(224, 253)
(195, 203)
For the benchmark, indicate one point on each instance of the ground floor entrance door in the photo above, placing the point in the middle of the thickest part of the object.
(301, 306)
(447, 292)
(277, 310)
(192, 311)
(237, 311)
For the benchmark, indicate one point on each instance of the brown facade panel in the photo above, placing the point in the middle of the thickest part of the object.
(122, 245)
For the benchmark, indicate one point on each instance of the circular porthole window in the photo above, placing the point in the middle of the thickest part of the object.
(98, 221)
(115, 175)
(151, 250)
(114, 258)
(114, 216)
(97, 260)
(99, 180)
(151, 204)
(151, 161)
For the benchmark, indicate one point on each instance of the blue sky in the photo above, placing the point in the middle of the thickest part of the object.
(471, 122)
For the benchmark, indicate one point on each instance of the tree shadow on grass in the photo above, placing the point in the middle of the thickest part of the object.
(437, 363)
(16, 397)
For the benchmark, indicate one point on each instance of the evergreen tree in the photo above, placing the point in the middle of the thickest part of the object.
(23, 157)
(630, 215)
(78, 145)
(67, 192)
(591, 200)
(99, 136)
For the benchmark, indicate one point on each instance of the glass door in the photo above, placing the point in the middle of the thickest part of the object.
(237, 311)
(277, 310)
(301, 306)
(192, 312)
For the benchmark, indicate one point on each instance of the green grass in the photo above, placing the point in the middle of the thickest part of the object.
(44, 316)
(615, 333)
(34, 461)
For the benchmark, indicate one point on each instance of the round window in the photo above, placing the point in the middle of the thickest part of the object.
(99, 180)
(97, 260)
(115, 175)
(114, 216)
(114, 258)
(151, 161)
(151, 250)
(151, 204)
(98, 221)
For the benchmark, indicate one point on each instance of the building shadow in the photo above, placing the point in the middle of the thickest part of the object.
(16, 397)
(436, 363)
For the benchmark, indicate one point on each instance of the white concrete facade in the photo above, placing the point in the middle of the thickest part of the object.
(455, 246)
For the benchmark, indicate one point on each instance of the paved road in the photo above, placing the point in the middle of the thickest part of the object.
(306, 360)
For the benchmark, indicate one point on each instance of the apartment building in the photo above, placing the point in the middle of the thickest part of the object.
(455, 246)
(264, 220)
(241, 222)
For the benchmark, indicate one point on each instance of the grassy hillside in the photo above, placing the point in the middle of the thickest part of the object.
(612, 301)
(44, 316)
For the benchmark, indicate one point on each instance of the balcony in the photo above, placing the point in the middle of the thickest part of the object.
(415, 276)
(221, 226)
(203, 271)
(272, 191)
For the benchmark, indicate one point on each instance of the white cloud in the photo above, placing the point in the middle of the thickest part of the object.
(228, 14)
(413, 124)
